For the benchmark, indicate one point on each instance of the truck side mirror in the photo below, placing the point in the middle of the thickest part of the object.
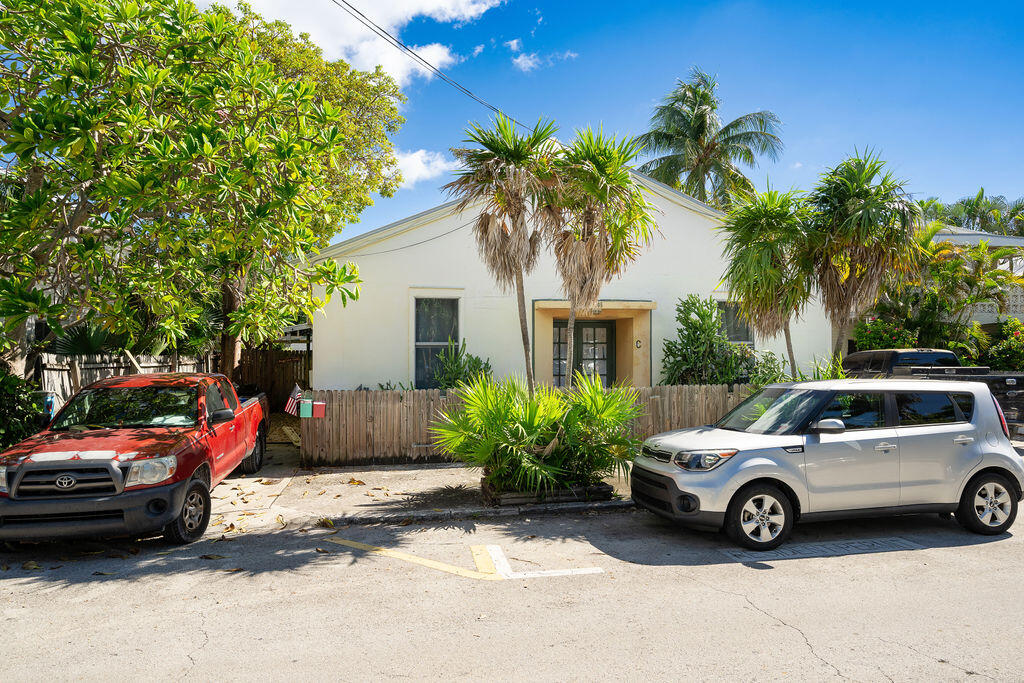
(222, 415)
(42, 420)
(828, 426)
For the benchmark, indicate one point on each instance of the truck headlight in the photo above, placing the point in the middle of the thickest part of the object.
(702, 461)
(152, 471)
(3, 479)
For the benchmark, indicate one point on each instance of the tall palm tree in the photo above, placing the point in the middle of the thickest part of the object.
(598, 220)
(508, 172)
(768, 273)
(698, 154)
(860, 236)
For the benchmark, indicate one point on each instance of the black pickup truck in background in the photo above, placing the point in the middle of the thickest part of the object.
(1006, 386)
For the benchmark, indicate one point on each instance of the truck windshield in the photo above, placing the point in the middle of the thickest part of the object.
(119, 407)
(776, 410)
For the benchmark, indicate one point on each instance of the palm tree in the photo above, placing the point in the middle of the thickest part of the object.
(768, 273)
(860, 236)
(508, 172)
(699, 154)
(598, 220)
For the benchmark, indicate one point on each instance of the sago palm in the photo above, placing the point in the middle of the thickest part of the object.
(768, 274)
(598, 220)
(698, 154)
(507, 172)
(860, 236)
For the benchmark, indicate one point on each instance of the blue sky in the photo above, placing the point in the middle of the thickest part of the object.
(934, 87)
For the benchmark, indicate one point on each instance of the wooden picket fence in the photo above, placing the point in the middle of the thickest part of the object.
(54, 371)
(378, 427)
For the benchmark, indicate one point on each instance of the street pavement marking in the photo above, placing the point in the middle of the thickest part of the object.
(795, 551)
(491, 563)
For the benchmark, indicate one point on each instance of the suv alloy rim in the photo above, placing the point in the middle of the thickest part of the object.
(192, 514)
(762, 518)
(992, 504)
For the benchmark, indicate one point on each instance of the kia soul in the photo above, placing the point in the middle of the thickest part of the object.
(834, 449)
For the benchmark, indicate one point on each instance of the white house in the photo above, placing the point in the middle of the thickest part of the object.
(424, 282)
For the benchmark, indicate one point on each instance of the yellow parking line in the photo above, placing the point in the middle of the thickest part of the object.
(484, 562)
(482, 575)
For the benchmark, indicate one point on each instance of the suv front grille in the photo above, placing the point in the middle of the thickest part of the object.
(88, 481)
(657, 454)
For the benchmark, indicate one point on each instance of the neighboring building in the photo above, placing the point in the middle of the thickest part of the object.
(424, 282)
(988, 314)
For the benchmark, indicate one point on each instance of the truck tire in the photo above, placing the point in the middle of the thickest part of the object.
(756, 512)
(194, 516)
(988, 505)
(254, 461)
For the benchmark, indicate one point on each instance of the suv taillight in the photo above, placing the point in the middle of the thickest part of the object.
(1002, 418)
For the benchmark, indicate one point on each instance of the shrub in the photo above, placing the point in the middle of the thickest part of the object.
(1008, 353)
(768, 369)
(19, 410)
(883, 334)
(554, 440)
(457, 366)
(701, 353)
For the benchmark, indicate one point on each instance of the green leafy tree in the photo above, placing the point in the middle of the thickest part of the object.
(700, 155)
(768, 274)
(19, 409)
(701, 353)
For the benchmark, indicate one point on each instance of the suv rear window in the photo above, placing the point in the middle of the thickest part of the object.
(942, 359)
(966, 404)
(924, 408)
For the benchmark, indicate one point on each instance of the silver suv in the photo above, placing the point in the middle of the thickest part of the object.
(833, 449)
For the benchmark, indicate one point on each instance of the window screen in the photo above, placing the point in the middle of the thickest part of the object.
(856, 410)
(735, 327)
(437, 321)
(924, 408)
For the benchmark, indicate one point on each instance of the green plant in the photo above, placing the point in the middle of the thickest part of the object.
(457, 366)
(701, 353)
(19, 409)
(829, 368)
(1008, 352)
(549, 440)
(391, 386)
(877, 333)
(768, 369)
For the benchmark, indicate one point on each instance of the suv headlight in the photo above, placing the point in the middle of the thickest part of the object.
(152, 471)
(702, 461)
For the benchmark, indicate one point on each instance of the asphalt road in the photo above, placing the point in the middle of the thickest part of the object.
(913, 598)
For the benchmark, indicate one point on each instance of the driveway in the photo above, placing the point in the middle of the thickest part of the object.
(912, 598)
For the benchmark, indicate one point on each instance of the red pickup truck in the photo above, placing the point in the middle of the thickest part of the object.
(131, 456)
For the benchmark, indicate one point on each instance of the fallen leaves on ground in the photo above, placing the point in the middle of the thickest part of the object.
(212, 557)
(280, 520)
(323, 550)
(233, 570)
(325, 522)
(30, 565)
(355, 482)
(269, 482)
(103, 573)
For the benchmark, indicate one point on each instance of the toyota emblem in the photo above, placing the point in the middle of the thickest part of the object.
(65, 481)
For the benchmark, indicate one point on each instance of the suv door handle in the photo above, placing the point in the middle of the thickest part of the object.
(963, 440)
(885, 447)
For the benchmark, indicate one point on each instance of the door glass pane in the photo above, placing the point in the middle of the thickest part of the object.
(601, 335)
(924, 408)
(588, 335)
(437, 320)
(856, 410)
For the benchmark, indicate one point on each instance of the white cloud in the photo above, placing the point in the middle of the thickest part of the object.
(796, 164)
(515, 44)
(477, 50)
(342, 36)
(422, 165)
(526, 61)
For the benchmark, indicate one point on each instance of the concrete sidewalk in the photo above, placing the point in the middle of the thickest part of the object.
(286, 496)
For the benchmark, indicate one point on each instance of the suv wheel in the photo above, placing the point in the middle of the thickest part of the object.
(194, 516)
(760, 517)
(988, 505)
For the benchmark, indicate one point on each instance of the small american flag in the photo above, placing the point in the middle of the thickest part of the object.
(292, 406)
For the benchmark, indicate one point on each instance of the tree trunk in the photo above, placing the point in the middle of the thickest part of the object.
(844, 329)
(17, 356)
(521, 297)
(232, 292)
(789, 350)
(570, 338)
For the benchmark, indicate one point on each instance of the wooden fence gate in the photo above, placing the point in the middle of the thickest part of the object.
(274, 371)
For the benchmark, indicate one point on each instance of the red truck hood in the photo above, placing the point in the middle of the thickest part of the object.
(100, 444)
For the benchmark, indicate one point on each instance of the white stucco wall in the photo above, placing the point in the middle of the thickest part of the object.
(371, 340)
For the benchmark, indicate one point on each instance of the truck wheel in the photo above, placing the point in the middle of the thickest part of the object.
(988, 505)
(253, 463)
(759, 517)
(194, 516)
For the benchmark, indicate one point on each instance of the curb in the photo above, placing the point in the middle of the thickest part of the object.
(414, 516)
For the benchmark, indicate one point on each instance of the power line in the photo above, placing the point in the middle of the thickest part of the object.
(416, 244)
(395, 42)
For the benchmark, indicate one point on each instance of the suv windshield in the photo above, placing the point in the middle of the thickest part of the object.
(775, 410)
(115, 407)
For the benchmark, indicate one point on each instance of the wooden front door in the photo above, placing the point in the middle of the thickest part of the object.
(594, 352)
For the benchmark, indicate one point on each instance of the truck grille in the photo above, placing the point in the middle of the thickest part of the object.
(54, 483)
(101, 515)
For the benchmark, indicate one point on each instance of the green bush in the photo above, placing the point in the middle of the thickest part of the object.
(701, 353)
(554, 440)
(1008, 352)
(877, 333)
(457, 366)
(768, 369)
(19, 410)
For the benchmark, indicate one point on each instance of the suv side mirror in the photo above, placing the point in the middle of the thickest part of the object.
(222, 415)
(828, 426)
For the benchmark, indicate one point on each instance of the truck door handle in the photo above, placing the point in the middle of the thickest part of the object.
(885, 447)
(963, 440)
(231, 428)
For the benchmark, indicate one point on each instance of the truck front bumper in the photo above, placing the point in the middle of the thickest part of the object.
(130, 513)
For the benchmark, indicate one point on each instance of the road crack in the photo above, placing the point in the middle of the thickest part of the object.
(966, 672)
(196, 650)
